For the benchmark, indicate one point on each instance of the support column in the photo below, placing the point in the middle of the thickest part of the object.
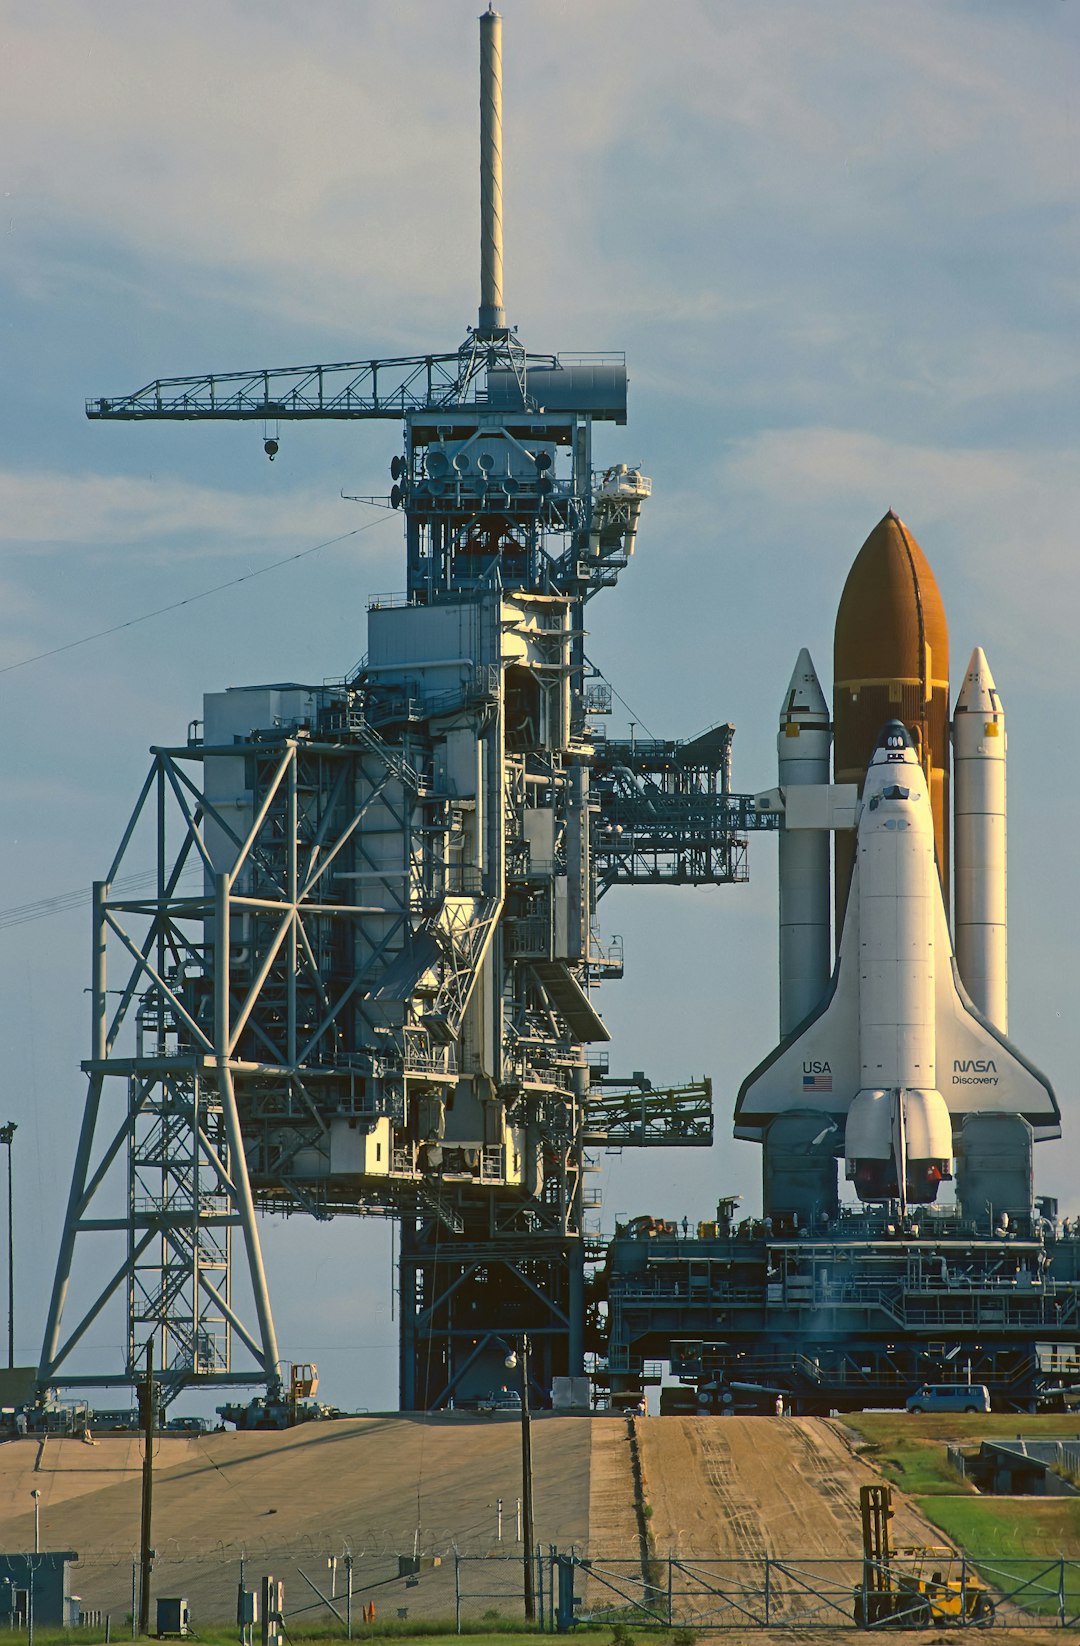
(238, 1158)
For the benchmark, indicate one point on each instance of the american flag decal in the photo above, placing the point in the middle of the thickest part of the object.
(817, 1082)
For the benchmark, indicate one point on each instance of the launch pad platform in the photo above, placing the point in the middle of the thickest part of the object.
(365, 981)
(857, 1317)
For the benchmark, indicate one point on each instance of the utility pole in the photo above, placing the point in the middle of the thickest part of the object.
(7, 1132)
(522, 1360)
(146, 1553)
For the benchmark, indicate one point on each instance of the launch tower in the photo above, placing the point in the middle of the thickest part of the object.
(364, 980)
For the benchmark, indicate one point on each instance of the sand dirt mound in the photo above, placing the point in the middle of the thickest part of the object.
(377, 1487)
(743, 1486)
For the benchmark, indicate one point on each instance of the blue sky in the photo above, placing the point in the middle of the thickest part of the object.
(839, 243)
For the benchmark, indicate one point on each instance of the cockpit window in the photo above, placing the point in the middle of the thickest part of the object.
(895, 792)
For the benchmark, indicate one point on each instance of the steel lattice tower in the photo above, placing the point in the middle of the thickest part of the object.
(362, 980)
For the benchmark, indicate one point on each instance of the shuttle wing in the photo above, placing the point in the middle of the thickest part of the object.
(817, 1066)
(977, 1067)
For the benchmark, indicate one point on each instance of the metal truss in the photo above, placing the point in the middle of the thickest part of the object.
(387, 388)
(515, 1266)
(635, 1114)
(241, 1005)
(178, 1124)
(179, 1177)
(465, 1301)
(463, 929)
(666, 814)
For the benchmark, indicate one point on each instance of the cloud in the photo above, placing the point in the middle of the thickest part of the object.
(49, 507)
(224, 140)
(820, 463)
(87, 554)
(997, 521)
(328, 156)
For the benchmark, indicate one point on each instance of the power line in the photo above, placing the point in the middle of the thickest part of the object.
(175, 605)
(63, 902)
(635, 719)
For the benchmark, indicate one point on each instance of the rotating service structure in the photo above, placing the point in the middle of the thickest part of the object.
(363, 980)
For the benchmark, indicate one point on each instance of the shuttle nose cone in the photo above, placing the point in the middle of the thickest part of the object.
(890, 613)
(978, 694)
(804, 699)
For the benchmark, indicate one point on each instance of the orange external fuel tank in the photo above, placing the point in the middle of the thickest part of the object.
(891, 662)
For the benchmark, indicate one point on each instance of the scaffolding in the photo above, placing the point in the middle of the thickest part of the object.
(667, 813)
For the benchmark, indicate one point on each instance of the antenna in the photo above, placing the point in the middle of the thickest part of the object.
(492, 314)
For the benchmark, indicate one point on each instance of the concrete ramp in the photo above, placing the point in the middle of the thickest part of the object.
(377, 1487)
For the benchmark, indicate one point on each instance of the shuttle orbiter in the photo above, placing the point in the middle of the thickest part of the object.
(896, 1053)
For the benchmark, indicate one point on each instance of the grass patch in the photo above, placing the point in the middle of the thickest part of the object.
(912, 1452)
(967, 1428)
(916, 1462)
(1028, 1527)
(1013, 1543)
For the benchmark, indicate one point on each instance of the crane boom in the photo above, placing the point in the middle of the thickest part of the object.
(338, 389)
(388, 388)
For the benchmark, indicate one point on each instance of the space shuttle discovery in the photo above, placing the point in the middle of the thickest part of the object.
(887, 1057)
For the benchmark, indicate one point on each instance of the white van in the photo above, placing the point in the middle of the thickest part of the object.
(949, 1397)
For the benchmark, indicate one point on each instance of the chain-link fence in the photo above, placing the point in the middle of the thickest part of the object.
(368, 1582)
(771, 1593)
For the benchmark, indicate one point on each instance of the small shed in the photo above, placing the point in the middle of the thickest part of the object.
(1022, 1468)
(41, 1582)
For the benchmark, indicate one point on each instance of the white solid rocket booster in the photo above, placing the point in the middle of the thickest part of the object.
(802, 756)
(980, 920)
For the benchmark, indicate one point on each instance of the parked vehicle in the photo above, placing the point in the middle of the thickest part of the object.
(919, 1588)
(949, 1397)
(497, 1400)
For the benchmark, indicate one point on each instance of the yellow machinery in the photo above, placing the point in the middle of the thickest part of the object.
(285, 1406)
(303, 1381)
(920, 1593)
